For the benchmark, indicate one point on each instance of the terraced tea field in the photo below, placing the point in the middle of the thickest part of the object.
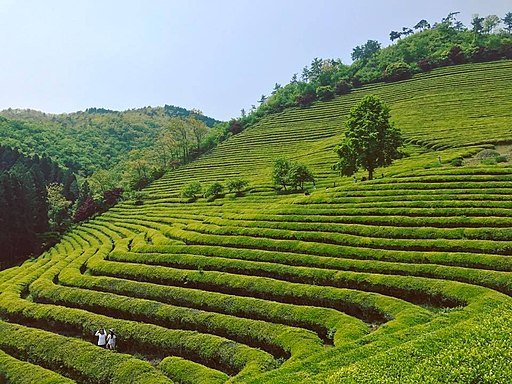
(406, 278)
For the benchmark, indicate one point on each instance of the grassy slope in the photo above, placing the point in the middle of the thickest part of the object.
(403, 279)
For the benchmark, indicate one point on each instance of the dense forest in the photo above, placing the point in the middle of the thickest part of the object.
(35, 194)
(90, 140)
(415, 49)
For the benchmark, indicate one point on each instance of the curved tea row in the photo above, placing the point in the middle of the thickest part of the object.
(348, 283)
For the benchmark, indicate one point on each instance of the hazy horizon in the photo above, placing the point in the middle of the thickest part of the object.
(219, 57)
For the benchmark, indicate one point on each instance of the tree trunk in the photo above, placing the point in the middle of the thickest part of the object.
(370, 174)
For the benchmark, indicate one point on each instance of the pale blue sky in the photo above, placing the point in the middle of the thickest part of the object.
(215, 55)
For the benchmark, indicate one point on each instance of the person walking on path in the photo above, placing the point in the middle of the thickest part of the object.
(111, 340)
(102, 337)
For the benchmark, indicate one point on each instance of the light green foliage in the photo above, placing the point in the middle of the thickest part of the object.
(371, 140)
(191, 190)
(281, 173)
(58, 207)
(213, 190)
(287, 173)
(237, 185)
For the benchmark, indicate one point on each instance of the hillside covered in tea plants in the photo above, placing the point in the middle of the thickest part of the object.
(405, 278)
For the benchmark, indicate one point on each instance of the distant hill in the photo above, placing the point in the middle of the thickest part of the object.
(89, 140)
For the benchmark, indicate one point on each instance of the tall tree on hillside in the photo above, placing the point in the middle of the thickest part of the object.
(490, 23)
(394, 35)
(315, 69)
(198, 129)
(507, 20)
(422, 25)
(406, 31)
(366, 51)
(166, 149)
(183, 135)
(58, 207)
(277, 87)
(371, 140)
(477, 24)
(305, 74)
(450, 19)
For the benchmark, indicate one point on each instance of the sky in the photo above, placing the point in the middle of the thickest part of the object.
(215, 55)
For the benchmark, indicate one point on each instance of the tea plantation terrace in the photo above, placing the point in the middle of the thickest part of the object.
(405, 278)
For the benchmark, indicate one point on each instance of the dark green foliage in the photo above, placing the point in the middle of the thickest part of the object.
(457, 162)
(477, 24)
(371, 141)
(422, 25)
(24, 207)
(366, 51)
(507, 20)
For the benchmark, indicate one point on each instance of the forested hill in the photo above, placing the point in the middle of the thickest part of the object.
(88, 140)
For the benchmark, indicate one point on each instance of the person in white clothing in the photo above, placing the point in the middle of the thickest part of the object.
(102, 337)
(111, 340)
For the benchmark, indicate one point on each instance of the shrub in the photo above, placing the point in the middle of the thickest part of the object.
(397, 71)
(300, 174)
(490, 161)
(191, 190)
(426, 65)
(501, 159)
(457, 162)
(324, 93)
(482, 54)
(235, 127)
(343, 87)
(112, 196)
(356, 82)
(487, 154)
(237, 185)
(213, 190)
(88, 208)
(306, 99)
(289, 173)
(456, 55)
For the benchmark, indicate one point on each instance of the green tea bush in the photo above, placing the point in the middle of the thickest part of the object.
(191, 190)
(213, 191)
(237, 185)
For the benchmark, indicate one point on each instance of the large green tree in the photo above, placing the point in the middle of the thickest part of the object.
(370, 141)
